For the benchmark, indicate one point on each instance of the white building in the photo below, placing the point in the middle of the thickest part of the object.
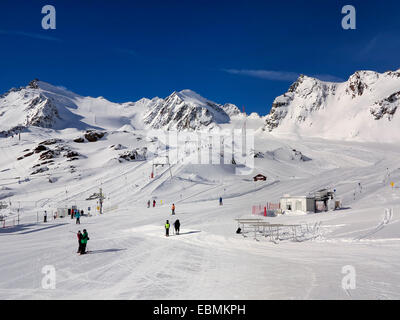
(298, 203)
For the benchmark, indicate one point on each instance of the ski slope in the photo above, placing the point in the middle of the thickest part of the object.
(131, 258)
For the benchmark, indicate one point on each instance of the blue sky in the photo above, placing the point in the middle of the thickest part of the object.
(243, 52)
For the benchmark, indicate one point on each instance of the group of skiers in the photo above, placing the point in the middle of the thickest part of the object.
(177, 226)
(148, 203)
(154, 204)
(82, 241)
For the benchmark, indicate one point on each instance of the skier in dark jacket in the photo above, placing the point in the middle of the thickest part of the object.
(220, 201)
(154, 203)
(84, 240)
(177, 225)
(79, 235)
(167, 225)
(148, 204)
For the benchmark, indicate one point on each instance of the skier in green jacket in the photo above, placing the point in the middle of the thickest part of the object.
(84, 240)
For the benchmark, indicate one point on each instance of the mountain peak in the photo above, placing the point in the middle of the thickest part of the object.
(363, 107)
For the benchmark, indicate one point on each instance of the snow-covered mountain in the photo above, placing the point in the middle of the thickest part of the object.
(362, 108)
(43, 105)
(187, 110)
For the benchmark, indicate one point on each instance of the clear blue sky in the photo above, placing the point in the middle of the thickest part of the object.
(243, 52)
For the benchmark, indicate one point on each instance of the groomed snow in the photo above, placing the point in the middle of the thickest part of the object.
(132, 259)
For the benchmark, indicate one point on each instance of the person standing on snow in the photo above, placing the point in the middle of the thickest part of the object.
(84, 240)
(220, 201)
(45, 216)
(79, 235)
(173, 208)
(167, 228)
(78, 217)
(148, 204)
(154, 203)
(177, 225)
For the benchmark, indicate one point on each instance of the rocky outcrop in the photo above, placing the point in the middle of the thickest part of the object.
(135, 154)
(386, 107)
(93, 136)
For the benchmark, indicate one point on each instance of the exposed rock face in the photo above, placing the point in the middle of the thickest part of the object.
(39, 170)
(259, 155)
(50, 142)
(136, 154)
(41, 112)
(71, 154)
(49, 154)
(40, 148)
(93, 136)
(307, 93)
(118, 147)
(386, 107)
(79, 140)
(34, 84)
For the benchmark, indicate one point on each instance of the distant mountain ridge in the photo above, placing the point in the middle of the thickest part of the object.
(364, 108)
(44, 105)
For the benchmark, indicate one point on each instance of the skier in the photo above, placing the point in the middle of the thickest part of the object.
(220, 201)
(177, 225)
(79, 235)
(45, 216)
(148, 204)
(167, 228)
(154, 203)
(173, 208)
(84, 240)
(78, 217)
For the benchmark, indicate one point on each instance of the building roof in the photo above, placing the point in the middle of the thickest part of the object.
(305, 197)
